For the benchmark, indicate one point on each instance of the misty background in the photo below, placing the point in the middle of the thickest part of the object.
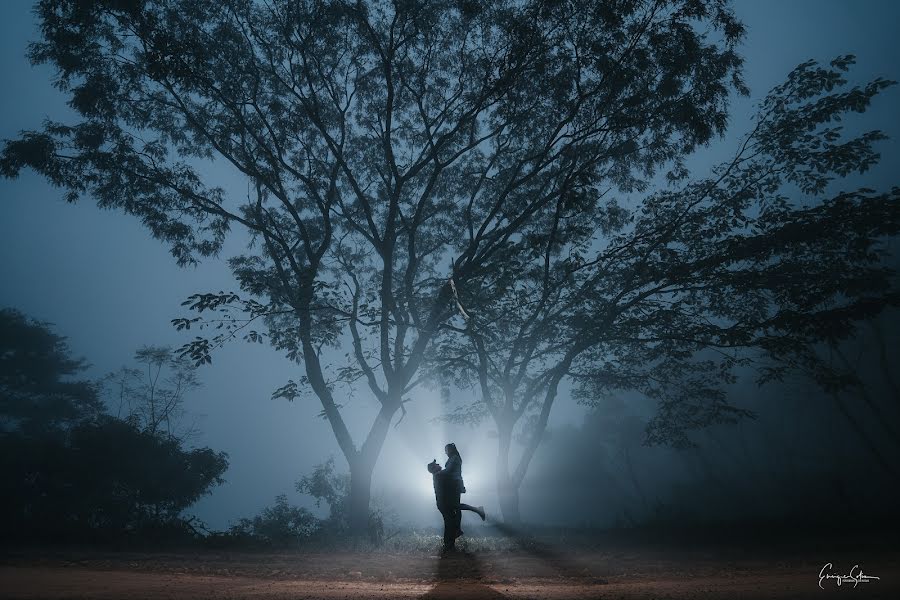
(103, 282)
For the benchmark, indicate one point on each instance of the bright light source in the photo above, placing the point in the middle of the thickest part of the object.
(427, 486)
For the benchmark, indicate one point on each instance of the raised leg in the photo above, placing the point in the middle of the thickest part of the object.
(479, 510)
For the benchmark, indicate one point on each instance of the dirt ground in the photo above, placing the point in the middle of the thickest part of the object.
(551, 573)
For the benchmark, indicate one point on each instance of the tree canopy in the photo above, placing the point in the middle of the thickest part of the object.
(392, 151)
(755, 263)
(38, 391)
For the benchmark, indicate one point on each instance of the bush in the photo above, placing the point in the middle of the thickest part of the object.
(334, 489)
(280, 526)
(101, 480)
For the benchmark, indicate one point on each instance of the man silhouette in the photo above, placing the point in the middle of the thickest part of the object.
(444, 506)
(448, 486)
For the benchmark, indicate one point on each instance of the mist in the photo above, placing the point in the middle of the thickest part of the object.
(798, 454)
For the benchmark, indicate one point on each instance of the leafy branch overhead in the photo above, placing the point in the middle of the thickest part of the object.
(403, 160)
(755, 264)
(232, 316)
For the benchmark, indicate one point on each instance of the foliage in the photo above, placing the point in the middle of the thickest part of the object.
(389, 150)
(37, 392)
(71, 472)
(284, 526)
(280, 526)
(105, 479)
(325, 485)
(755, 264)
(152, 397)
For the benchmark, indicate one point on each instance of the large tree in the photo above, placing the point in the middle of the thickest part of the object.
(754, 264)
(389, 149)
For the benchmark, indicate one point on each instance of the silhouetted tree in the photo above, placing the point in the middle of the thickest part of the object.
(70, 471)
(38, 392)
(152, 397)
(756, 263)
(121, 479)
(869, 409)
(379, 141)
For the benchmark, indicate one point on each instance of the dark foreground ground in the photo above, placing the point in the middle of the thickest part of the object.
(612, 569)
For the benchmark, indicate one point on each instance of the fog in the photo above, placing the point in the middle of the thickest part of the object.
(110, 288)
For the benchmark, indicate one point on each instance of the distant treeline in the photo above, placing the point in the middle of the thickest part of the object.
(808, 457)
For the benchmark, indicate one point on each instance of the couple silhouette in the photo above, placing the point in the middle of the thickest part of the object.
(448, 485)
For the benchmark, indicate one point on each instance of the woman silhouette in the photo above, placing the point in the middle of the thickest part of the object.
(448, 485)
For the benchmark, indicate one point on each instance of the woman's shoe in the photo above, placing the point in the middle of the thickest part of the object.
(480, 512)
(459, 533)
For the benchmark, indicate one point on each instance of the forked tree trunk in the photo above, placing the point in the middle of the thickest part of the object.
(510, 481)
(362, 465)
(361, 461)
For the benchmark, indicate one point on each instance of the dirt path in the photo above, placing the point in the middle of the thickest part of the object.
(57, 583)
(462, 577)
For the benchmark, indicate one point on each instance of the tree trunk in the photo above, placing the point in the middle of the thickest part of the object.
(360, 495)
(508, 484)
(507, 490)
(361, 461)
(363, 465)
(509, 504)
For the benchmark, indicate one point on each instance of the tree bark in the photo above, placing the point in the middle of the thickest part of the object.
(509, 503)
(360, 495)
(507, 489)
(363, 465)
